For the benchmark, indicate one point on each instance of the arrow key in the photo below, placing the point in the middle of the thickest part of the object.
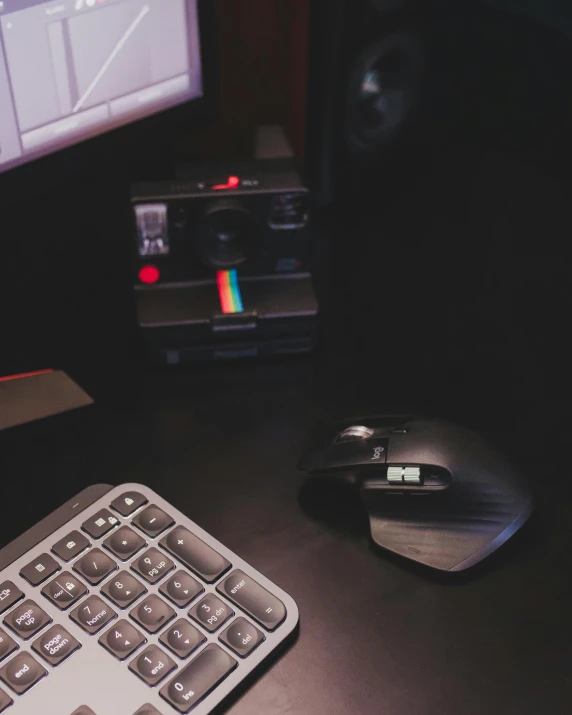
(181, 589)
(122, 640)
(182, 638)
(124, 589)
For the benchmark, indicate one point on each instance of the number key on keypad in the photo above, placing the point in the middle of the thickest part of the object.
(182, 638)
(56, 645)
(27, 619)
(152, 665)
(152, 613)
(95, 566)
(64, 590)
(83, 710)
(211, 612)
(22, 672)
(100, 524)
(123, 589)
(122, 640)
(9, 595)
(93, 614)
(40, 569)
(198, 678)
(6, 701)
(153, 521)
(71, 546)
(7, 645)
(181, 589)
(124, 543)
(147, 710)
(153, 565)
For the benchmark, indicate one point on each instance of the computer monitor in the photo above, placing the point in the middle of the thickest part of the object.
(74, 69)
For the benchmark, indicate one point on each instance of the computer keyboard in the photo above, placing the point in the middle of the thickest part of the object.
(118, 604)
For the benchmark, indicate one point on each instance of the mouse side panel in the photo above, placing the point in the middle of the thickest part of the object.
(486, 504)
(496, 543)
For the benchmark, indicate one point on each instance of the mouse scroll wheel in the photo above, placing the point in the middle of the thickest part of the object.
(355, 432)
(404, 475)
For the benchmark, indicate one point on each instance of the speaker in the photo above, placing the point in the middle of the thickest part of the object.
(368, 64)
(392, 80)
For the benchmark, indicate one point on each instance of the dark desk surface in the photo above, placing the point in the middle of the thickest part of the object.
(377, 636)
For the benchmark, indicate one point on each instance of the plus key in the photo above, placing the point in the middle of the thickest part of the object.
(195, 554)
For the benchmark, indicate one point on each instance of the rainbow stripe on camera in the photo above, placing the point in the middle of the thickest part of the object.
(229, 292)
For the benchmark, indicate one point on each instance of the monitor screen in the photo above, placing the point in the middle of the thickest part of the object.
(73, 69)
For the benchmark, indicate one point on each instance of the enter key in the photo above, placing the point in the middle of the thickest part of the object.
(252, 598)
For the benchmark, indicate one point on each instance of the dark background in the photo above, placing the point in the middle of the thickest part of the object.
(446, 290)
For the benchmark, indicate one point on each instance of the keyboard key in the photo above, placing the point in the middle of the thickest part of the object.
(153, 521)
(254, 599)
(122, 640)
(182, 638)
(152, 613)
(124, 589)
(95, 566)
(181, 589)
(129, 502)
(71, 546)
(27, 619)
(64, 590)
(153, 565)
(6, 701)
(152, 665)
(40, 569)
(9, 595)
(56, 645)
(195, 554)
(147, 710)
(211, 612)
(198, 678)
(92, 615)
(22, 672)
(83, 710)
(124, 543)
(7, 645)
(242, 637)
(100, 524)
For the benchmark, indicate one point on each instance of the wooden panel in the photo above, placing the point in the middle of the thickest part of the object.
(262, 74)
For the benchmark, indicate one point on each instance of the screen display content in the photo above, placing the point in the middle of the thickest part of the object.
(75, 69)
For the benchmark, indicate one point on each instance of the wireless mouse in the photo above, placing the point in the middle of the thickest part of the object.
(435, 493)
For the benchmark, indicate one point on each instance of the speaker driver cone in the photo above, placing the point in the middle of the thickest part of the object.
(384, 85)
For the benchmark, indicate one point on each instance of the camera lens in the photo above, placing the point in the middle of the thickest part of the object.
(227, 235)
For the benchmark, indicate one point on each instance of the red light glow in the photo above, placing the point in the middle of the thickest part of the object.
(25, 374)
(232, 183)
(149, 275)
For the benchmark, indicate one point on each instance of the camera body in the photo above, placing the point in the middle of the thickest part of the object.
(255, 222)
